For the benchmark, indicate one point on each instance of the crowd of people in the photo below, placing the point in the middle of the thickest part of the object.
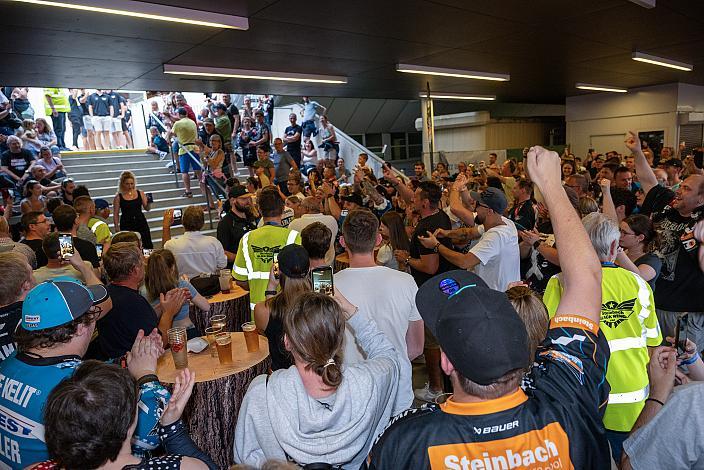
(553, 303)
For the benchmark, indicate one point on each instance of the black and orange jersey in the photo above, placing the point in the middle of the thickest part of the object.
(556, 423)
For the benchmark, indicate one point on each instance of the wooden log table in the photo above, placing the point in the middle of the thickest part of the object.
(342, 261)
(211, 413)
(234, 305)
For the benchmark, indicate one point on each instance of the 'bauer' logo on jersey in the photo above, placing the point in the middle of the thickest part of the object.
(613, 314)
(265, 254)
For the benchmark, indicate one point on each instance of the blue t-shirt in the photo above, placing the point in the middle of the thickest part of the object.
(100, 103)
(25, 384)
(309, 110)
(160, 143)
(183, 313)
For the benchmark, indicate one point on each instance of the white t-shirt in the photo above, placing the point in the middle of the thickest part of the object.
(196, 253)
(389, 296)
(329, 221)
(498, 252)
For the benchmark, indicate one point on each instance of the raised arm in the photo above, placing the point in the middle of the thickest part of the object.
(581, 270)
(608, 207)
(456, 205)
(646, 176)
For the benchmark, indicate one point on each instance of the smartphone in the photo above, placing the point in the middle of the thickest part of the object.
(321, 278)
(150, 197)
(276, 265)
(66, 244)
(147, 251)
(177, 217)
(99, 250)
(681, 334)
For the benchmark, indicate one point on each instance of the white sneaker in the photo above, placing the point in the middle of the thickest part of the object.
(426, 394)
(162, 155)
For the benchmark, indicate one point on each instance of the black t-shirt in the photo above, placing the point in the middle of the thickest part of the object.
(10, 316)
(654, 262)
(680, 285)
(290, 131)
(36, 246)
(128, 116)
(430, 224)
(87, 251)
(523, 213)
(232, 111)
(100, 103)
(555, 423)
(231, 229)
(205, 137)
(118, 329)
(17, 163)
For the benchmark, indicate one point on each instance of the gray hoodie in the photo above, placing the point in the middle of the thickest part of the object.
(279, 418)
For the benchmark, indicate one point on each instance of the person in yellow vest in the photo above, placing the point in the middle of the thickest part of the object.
(56, 105)
(630, 324)
(256, 250)
(98, 223)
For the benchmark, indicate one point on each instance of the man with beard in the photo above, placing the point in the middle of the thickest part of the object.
(236, 222)
(495, 257)
(678, 218)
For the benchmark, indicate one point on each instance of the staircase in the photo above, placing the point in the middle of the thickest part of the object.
(100, 172)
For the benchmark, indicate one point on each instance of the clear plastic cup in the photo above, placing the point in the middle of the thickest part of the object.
(179, 350)
(224, 345)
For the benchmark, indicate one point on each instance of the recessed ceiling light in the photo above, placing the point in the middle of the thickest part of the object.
(456, 96)
(661, 61)
(150, 11)
(443, 72)
(251, 74)
(589, 86)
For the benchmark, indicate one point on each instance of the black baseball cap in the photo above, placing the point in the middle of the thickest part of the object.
(237, 191)
(353, 197)
(221, 107)
(492, 198)
(477, 328)
(674, 162)
(294, 261)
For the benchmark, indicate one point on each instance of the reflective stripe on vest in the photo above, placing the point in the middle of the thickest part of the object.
(96, 225)
(249, 271)
(623, 344)
(629, 397)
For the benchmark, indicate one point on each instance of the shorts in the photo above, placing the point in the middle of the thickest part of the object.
(116, 124)
(87, 122)
(123, 123)
(187, 163)
(430, 341)
(102, 123)
(309, 128)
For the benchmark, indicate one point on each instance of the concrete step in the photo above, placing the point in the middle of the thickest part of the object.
(164, 190)
(83, 172)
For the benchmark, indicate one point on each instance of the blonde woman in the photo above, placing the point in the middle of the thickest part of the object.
(131, 201)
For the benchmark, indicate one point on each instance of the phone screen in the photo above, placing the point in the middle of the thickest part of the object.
(276, 265)
(66, 244)
(147, 251)
(150, 197)
(322, 280)
(177, 217)
(681, 334)
(99, 250)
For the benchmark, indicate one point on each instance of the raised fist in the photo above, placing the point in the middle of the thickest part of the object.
(543, 166)
(633, 142)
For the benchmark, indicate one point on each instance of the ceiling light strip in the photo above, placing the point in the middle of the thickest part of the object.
(662, 61)
(443, 72)
(150, 11)
(456, 96)
(592, 87)
(251, 74)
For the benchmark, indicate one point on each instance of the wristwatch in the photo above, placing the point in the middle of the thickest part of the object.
(536, 245)
(408, 258)
(436, 247)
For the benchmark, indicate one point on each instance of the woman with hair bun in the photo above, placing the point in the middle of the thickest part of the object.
(317, 411)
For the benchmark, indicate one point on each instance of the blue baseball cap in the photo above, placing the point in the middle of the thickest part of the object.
(59, 301)
(101, 204)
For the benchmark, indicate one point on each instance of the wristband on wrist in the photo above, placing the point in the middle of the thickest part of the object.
(145, 379)
(270, 292)
(536, 245)
(655, 400)
(436, 248)
(691, 360)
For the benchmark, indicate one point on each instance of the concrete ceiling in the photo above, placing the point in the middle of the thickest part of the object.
(546, 46)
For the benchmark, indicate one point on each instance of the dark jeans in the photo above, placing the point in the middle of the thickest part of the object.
(76, 125)
(309, 128)
(616, 439)
(59, 123)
